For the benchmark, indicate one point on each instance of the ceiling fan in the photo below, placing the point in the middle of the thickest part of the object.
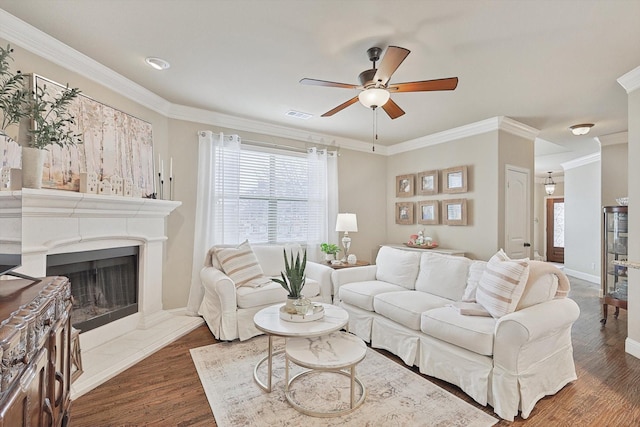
(375, 86)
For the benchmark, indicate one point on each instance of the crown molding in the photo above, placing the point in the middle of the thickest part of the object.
(581, 161)
(495, 123)
(613, 139)
(631, 80)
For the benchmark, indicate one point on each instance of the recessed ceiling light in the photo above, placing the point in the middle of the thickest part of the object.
(581, 129)
(298, 115)
(157, 63)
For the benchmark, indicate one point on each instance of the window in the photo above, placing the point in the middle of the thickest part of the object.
(270, 193)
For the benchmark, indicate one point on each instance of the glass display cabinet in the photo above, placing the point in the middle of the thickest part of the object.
(614, 248)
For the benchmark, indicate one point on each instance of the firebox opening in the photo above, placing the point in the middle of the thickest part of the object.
(104, 284)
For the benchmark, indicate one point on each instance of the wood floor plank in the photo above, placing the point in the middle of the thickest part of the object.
(164, 389)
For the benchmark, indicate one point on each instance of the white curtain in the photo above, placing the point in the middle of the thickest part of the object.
(323, 199)
(214, 178)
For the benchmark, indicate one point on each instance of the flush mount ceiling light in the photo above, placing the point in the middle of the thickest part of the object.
(581, 129)
(157, 63)
(373, 97)
(549, 185)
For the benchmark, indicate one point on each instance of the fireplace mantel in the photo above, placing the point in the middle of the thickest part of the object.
(56, 221)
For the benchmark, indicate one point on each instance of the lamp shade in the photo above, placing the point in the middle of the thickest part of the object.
(347, 222)
(374, 97)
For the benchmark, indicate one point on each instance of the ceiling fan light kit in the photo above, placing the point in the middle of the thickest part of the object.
(374, 97)
(581, 129)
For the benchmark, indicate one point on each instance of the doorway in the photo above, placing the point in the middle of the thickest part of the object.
(555, 229)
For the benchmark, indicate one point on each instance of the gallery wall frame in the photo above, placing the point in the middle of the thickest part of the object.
(114, 144)
(405, 185)
(404, 213)
(454, 212)
(427, 183)
(428, 212)
(454, 180)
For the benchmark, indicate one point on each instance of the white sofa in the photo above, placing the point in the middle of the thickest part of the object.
(405, 304)
(228, 310)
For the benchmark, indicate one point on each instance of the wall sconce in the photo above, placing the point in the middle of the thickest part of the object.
(549, 185)
(346, 222)
(581, 129)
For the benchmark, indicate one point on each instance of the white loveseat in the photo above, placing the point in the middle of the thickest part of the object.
(228, 309)
(409, 303)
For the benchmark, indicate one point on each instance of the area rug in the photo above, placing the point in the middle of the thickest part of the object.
(395, 396)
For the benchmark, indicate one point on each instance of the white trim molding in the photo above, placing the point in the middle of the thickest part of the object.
(582, 161)
(631, 80)
(613, 139)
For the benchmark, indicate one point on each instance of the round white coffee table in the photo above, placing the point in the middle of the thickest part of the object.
(328, 353)
(268, 321)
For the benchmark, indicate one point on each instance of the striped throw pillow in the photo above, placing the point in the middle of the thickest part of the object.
(241, 265)
(502, 284)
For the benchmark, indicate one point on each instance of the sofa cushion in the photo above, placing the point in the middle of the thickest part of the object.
(474, 333)
(361, 294)
(475, 273)
(502, 284)
(241, 265)
(397, 266)
(271, 257)
(272, 293)
(406, 307)
(443, 275)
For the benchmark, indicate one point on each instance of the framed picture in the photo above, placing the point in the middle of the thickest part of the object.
(428, 183)
(454, 211)
(404, 213)
(404, 185)
(114, 144)
(428, 212)
(454, 180)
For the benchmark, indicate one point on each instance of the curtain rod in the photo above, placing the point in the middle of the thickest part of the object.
(288, 147)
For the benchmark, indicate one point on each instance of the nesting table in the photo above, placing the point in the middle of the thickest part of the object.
(316, 345)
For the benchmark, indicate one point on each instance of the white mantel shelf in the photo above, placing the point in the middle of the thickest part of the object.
(60, 203)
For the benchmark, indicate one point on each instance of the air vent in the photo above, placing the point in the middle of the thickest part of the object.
(298, 115)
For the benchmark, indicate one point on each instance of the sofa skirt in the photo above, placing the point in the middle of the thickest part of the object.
(360, 321)
(399, 340)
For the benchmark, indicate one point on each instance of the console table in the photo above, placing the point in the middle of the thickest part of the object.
(437, 250)
(35, 349)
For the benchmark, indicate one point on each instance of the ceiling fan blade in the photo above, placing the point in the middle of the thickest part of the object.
(341, 107)
(314, 82)
(392, 59)
(392, 109)
(425, 85)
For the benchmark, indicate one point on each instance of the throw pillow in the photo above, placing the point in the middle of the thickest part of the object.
(502, 284)
(241, 265)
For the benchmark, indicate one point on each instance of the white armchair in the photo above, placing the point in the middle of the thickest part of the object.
(228, 310)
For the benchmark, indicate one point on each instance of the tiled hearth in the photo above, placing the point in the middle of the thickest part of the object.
(55, 222)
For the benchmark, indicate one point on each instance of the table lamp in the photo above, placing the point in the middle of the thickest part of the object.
(346, 222)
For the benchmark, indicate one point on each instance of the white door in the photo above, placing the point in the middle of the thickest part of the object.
(517, 213)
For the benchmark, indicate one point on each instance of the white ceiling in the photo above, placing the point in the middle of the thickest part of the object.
(547, 64)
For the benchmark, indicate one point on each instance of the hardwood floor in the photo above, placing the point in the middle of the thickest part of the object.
(164, 389)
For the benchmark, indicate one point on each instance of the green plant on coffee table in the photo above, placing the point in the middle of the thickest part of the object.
(329, 248)
(293, 278)
(13, 96)
(53, 124)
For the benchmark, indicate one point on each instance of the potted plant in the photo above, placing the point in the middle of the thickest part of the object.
(52, 124)
(13, 96)
(331, 250)
(293, 279)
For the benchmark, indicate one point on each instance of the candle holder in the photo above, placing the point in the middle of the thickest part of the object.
(170, 188)
(160, 185)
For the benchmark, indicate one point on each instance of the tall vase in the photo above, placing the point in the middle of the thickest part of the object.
(32, 167)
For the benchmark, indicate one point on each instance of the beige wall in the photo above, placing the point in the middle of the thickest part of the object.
(480, 154)
(583, 215)
(614, 166)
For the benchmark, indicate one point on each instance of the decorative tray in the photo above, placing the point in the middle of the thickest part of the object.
(316, 311)
(412, 245)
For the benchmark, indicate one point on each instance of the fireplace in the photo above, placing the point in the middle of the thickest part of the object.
(104, 284)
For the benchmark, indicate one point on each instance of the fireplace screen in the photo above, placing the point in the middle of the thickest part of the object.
(104, 284)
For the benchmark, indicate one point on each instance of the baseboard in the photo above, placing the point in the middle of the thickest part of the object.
(584, 276)
(632, 347)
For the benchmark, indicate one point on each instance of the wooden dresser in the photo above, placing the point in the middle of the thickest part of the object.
(35, 345)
